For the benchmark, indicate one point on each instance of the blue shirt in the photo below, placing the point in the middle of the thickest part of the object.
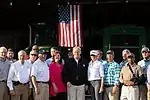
(123, 63)
(144, 64)
(102, 62)
(111, 73)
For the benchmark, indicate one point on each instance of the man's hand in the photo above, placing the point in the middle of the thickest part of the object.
(86, 87)
(55, 89)
(148, 86)
(12, 92)
(101, 90)
(115, 89)
(37, 91)
(131, 83)
(68, 84)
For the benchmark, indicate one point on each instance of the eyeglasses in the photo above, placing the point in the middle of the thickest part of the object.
(33, 55)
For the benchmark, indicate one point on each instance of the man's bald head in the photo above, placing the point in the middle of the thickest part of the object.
(3, 52)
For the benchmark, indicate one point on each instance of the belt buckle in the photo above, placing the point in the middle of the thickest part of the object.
(2, 81)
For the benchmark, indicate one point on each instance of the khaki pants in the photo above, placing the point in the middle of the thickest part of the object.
(21, 92)
(148, 95)
(143, 92)
(3, 91)
(76, 92)
(130, 93)
(108, 94)
(44, 92)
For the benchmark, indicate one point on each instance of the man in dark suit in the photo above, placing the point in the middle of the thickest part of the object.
(75, 75)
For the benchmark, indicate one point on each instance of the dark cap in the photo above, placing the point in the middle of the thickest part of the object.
(35, 47)
(131, 55)
(42, 52)
(110, 52)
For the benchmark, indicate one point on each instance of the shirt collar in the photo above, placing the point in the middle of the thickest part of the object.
(110, 62)
(3, 60)
(93, 62)
(21, 63)
(132, 65)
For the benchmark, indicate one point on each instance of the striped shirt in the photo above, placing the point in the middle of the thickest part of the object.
(111, 73)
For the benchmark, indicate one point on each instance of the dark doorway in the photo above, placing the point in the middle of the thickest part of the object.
(94, 42)
(121, 42)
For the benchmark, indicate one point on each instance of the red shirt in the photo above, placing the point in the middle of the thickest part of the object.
(56, 77)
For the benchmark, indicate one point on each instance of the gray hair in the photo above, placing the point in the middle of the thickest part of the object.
(3, 48)
(21, 51)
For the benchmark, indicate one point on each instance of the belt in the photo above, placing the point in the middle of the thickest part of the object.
(2, 80)
(130, 85)
(43, 82)
(15, 83)
(108, 85)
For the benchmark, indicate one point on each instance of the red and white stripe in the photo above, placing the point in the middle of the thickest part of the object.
(70, 34)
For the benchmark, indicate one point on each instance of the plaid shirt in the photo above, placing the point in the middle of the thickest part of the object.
(111, 73)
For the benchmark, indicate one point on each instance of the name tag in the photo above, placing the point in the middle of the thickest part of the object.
(83, 65)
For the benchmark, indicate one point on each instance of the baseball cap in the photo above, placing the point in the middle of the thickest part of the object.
(93, 53)
(145, 49)
(110, 52)
(35, 47)
(33, 52)
(42, 52)
(131, 55)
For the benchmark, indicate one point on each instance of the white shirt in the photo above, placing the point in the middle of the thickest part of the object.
(95, 71)
(40, 70)
(18, 72)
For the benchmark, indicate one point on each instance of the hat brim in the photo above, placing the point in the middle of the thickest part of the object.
(43, 53)
(130, 56)
(109, 53)
(92, 55)
(144, 51)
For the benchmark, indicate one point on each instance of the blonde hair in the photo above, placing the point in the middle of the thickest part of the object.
(76, 48)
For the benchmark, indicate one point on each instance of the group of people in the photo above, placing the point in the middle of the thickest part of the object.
(39, 78)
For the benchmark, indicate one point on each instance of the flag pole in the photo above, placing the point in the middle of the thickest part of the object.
(30, 34)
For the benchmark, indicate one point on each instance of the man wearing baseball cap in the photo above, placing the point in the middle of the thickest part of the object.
(40, 77)
(144, 63)
(96, 76)
(129, 78)
(125, 53)
(111, 79)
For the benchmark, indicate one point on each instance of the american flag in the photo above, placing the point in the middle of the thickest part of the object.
(69, 26)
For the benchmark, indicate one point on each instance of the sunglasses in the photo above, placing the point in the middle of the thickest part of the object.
(144, 52)
(33, 55)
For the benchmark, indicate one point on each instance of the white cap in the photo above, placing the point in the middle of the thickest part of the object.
(93, 53)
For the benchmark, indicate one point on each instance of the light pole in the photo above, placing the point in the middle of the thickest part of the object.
(30, 34)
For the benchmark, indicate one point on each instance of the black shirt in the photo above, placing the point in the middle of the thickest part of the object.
(75, 73)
